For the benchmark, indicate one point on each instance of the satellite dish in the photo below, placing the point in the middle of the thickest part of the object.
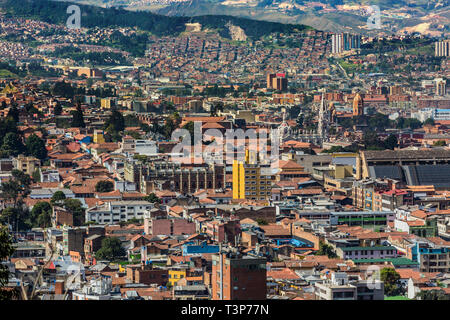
(394, 116)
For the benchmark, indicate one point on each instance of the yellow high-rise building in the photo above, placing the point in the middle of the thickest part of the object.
(251, 179)
(106, 103)
(99, 136)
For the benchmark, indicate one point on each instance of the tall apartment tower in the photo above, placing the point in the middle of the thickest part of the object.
(236, 277)
(252, 179)
(442, 48)
(270, 78)
(277, 81)
(336, 43)
(280, 83)
(344, 42)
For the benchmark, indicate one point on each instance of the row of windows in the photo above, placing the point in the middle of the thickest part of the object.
(254, 188)
(254, 193)
(129, 208)
(366, 252)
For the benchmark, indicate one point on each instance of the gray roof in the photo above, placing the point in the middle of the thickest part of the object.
(406, 154)
(393, 172)
(415, 175)
(437, 175)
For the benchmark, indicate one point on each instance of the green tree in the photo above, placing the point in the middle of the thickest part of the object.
(326, 250)
(58, 197)
(391, 279)
(152, 198)
(168, 128)
(215, 108)
(12, 144)
(391, 142)
(41, 214)
(17, 218)
(6, 250)
(432, 295)
(37, 176)
(429, 121)
(58, 109)
(371, 141)
(13, 113)
(379, 121)
(190, 127)
(75, 207)
(36, 147)
(63, 89)
(111, 249)
(104, 186)
(115, 122)
(16, 188)
(78, 118)
(440, 143)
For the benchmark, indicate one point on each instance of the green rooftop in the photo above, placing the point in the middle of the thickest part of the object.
(396, 262)
(396, 298)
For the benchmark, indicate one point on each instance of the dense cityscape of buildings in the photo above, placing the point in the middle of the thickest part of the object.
(102, 203)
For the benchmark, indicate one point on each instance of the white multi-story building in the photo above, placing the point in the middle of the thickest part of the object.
(339, 287)
(99, 288)
(49, 175)
(146, 147)
(118, 211)
(433, 113)
(130, 145)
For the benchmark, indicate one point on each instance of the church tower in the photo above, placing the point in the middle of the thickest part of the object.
(358, 105)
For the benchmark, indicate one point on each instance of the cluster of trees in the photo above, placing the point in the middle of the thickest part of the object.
(66, 90)
(6, 250)
(404, 123)
(95, 58)
(111, 249)
(55, 13)
(132, 121)
(17, 214)
(135, 43)
(432, 295)
(172, 123)
(216, 107)
(216, 91)
(392, 284)
(326, 250)
(73, 206)
(12, 142)
(104, 186)
(153, 198)
(78, 118)
(380, 122)
(371, 141)
(114, 125)
(12, 69)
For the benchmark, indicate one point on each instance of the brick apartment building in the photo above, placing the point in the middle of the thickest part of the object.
(237, 277)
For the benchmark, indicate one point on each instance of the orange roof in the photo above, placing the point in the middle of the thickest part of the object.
(177, 209)
(283, 274)
(419, 214)
(212, 125)
(289, 164)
